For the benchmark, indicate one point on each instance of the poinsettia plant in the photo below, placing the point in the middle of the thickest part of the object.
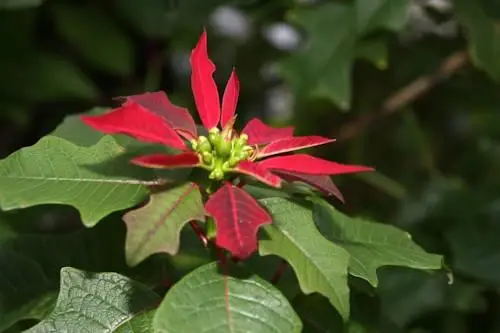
(224, 152)
(218, 197)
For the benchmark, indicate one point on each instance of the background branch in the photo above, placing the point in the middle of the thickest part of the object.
(406, 95)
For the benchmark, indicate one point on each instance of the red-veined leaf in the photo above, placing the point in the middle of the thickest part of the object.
(260, 133)
(178, 117)
(134, 120)
(237, 217)
(291, 144)
(259, 173)
(156, 226)
(203, 85)
(311, 165)
(321, 182)
(230, 99)
(163, 161)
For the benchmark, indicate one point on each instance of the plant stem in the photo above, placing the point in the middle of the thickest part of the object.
(279, 272)
(199, 232)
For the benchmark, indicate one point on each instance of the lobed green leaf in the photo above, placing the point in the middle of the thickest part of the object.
(371, 245)
(57, 171)
(320, 265)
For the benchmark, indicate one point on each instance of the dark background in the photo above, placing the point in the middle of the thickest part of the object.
(397, 90)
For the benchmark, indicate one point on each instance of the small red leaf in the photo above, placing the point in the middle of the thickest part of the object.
(311, 165)
(321, 182)
(259, 173)
(230, 99)
(134, 120)
(203, 85)
(162, 161)
(291, 144)
(260, 133)
(178, 117)
(237, 217)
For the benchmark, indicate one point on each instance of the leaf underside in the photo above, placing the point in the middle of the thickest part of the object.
(95, 302)
(156, 227)
(30, 266)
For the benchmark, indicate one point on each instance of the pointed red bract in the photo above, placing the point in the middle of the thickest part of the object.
(260, 133)
(178, 117)
(237, 217)
(203, 85)
(230, 99)
(321, 182)
(291, 144)
(162, 161)
(259, 173)
(134, 120)
(310, 165)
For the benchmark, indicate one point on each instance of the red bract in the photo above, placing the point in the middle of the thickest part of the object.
(237, 217)
(151, 117)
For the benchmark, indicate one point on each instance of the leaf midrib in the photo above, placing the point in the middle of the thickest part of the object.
(86, 180)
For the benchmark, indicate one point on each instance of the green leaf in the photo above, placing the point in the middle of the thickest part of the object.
(323, 69)
(74, 130)
(208, 301)
(57, 171)
(95, 302)
(30, 266)
(483, 34)
(371, 245)
(374, 14)
(95, 36)
(156, 227)
(374, 51)
(334, 39)
(141, 323)
(320, 265)
(19, 4)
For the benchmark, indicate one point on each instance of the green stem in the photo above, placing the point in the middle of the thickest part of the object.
(211, 230)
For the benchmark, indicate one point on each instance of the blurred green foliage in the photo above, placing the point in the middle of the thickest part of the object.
(317, 65)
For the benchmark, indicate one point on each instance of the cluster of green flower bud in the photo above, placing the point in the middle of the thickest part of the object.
(220, 154)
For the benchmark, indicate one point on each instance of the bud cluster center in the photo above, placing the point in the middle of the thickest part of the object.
(220, 152)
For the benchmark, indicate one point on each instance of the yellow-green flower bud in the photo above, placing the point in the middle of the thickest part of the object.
(216, 174)
(207, 157)
(214, 138)
(243, 155)
(223, 148)
(214, 130)
(243, 139)
(226, 166)
(204, 144)
(233, 161)
(194, 144)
